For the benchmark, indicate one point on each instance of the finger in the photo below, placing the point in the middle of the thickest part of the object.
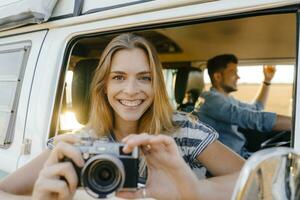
(65, 170)
(159, 143)
(168, 142)
(62, 150)
(144, 140)
(269, 69)
(136, 140)
(68, 138)
(125, 139)
(271, 66)
(58, 187)
(141, 193)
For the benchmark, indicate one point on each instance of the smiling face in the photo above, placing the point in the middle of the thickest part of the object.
(226, 80)
(229, 78)
(129, 86)
(123, 99)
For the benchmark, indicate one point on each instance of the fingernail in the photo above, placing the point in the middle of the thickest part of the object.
(125, 148)
(124, 139)
(81, 163)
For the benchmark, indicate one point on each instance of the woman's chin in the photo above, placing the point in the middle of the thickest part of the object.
(131, 118)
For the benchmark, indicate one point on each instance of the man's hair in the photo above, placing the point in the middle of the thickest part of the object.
(219, 63)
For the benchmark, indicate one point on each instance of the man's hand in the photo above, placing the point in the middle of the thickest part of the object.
(269, 72)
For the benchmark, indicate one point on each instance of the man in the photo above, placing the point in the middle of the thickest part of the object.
(226, 114)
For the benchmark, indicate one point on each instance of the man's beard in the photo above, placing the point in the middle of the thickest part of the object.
(228, 88)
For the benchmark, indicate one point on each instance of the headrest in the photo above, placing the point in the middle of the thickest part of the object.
(82, 77)
(188, 79)
(180, 84)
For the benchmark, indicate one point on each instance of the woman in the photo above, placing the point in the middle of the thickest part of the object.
(130, 105)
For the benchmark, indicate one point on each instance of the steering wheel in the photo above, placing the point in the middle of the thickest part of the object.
(282, 138)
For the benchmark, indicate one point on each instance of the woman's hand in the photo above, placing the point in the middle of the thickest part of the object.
(58, 180)
(168, 175)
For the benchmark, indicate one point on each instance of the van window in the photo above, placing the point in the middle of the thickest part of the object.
(13, 59)
(184, 50)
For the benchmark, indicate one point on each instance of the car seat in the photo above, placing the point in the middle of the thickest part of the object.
(82, 77)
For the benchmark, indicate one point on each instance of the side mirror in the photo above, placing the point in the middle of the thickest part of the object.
(270, 174)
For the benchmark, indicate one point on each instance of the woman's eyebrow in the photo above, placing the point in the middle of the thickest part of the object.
(117, 72)
(144, 72)
(139, 73)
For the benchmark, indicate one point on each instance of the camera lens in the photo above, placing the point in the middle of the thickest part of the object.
(103, 174)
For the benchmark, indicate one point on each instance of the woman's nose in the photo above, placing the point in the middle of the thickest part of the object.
(131, 87)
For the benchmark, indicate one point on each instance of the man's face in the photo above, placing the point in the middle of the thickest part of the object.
(229, 77)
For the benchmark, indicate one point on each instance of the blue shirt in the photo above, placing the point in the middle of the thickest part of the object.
(226, 114)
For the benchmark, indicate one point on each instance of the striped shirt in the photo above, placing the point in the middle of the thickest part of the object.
(192, 138)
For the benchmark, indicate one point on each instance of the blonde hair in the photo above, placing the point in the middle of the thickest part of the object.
(157, 118)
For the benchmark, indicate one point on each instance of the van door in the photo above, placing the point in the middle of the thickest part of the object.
(18, 57)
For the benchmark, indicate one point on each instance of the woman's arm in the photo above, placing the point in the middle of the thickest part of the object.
(220, 187)
(220, 160)
(22, 180)
(7, 196)
(57, 179)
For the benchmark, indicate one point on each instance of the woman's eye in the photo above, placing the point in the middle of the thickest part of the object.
(118, 77)
(146, 78)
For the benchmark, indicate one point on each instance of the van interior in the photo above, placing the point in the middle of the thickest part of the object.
(184, 49)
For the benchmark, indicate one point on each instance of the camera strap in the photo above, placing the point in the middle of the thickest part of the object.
(142, 169)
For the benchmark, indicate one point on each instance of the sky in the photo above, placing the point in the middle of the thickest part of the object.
(254, 74)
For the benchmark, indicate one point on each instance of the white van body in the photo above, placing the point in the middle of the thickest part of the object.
(49, 40)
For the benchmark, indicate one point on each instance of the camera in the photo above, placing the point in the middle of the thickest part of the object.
(107, 168)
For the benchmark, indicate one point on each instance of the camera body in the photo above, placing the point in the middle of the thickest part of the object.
(107, 168)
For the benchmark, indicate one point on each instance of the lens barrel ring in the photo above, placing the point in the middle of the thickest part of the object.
(93, 169)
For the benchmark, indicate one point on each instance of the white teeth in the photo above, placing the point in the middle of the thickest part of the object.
(131, 103)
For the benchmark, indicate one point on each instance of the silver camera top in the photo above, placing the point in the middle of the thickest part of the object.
(91, 147)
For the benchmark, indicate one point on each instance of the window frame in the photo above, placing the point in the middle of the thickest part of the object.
(173, 23)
